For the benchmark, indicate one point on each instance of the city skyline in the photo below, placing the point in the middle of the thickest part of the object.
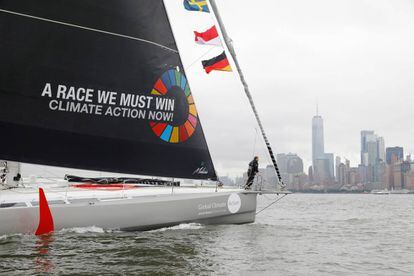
(380, 169)
(367, 138)
(355, 156)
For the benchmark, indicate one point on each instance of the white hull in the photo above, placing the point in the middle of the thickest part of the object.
(380, 192)
(136, 209)
(400, 192)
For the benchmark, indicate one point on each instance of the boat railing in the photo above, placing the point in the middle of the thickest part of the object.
(261, 184)
(260, 180)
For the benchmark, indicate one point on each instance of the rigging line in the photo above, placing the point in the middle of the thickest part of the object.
(208, 51)
(271, 204)
(88, 29)
(230, 48)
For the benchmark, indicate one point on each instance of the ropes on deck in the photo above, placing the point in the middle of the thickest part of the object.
(279, 198)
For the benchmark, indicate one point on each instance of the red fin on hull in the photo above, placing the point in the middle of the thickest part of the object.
(46, 224)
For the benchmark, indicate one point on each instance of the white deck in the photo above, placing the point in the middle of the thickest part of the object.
(63, 191)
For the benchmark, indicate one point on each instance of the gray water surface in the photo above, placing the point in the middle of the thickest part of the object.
(303, 234)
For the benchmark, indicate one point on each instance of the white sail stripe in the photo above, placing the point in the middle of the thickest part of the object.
(89, 29)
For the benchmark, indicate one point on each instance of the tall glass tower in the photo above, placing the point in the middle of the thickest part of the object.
(318, 148)
(366, 136)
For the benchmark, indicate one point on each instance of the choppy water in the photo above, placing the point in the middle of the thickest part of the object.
(303, 234)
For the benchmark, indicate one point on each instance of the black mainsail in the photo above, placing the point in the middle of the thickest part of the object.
(97, 85)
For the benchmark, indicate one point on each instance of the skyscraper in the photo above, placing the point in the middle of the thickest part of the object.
(294, 164)
(322, 171)
(330, 158)
(337, 163)
(318, 149)
(381, 149)
(282, 162)
(397, 151)
(291, 169)
(322, 163)
(366, 135)
(372, 148)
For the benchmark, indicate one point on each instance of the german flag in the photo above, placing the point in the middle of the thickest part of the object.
(220, 63)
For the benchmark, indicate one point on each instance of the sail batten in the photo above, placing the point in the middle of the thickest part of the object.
(76, 97)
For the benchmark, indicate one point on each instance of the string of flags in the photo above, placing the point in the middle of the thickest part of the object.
(208, 37)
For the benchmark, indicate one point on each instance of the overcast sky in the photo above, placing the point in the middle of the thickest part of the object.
(354, 57)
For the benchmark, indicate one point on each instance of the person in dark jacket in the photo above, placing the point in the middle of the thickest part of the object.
(252, 171)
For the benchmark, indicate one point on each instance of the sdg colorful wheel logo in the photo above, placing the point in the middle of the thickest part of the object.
(167, 131)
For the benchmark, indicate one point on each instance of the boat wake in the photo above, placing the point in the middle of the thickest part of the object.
(183, 226)
(6, 236)
(84, 230)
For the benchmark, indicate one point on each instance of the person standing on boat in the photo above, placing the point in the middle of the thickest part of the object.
(252, 171)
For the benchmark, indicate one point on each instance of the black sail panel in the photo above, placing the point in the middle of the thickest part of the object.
(97, 85)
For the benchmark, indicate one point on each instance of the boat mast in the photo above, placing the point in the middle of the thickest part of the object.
(229, 45)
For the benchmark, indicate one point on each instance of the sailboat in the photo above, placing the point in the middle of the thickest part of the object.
(99, 85)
